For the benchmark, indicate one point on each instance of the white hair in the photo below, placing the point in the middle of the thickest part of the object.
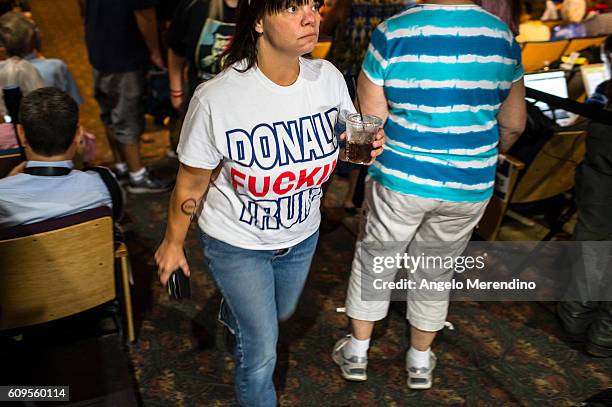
(18, 72)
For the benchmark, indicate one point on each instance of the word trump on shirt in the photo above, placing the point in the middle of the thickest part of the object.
(280, 168)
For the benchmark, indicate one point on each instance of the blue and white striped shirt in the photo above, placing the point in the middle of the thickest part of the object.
(445, 71)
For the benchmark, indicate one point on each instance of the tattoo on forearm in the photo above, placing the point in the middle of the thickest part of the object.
(189, 207)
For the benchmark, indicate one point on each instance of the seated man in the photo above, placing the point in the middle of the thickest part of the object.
(531, 29)
(18, 36)
(46, 186)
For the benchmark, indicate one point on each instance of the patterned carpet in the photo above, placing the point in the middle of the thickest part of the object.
(498, 353)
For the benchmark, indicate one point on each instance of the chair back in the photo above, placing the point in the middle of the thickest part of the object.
(552, 171)
(508, 169)
(65, 267)
(538, 55)
(321, 50)
(578, 44)
(9, 159)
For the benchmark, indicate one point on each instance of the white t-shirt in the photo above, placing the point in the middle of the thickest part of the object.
(277, 147)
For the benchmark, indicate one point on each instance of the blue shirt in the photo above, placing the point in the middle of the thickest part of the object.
(55, 73)
(28, 198)
(599, 98)
(445, 71)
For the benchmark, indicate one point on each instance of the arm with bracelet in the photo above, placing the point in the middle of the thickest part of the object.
(176, 67)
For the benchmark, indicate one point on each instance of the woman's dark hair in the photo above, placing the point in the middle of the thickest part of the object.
(244, 42)
(509, 11)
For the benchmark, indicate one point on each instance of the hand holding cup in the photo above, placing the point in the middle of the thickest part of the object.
(364, 138)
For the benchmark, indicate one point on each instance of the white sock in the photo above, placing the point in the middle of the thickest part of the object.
(418, 358)
(121, 167)
(138, 175)
(358, 348)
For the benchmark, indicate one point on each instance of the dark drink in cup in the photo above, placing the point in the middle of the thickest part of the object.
(359, 153)
(360, 134)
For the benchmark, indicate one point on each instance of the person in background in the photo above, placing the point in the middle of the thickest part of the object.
(10, 5)
(551, 13)
(509, 11)
(598, 23)
(17, 34)
(601, 97)
(531, 29)
(449, 111)
(15, 72)
(265, 123)
(122, 41)
(573, 11)
(600, 7)
(200, 32)
(350, 23)
(586, 317)
(46, 186)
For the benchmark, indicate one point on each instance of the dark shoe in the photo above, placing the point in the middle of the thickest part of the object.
(123, 176)
(576, 316)
(599, 338)
(148, 184)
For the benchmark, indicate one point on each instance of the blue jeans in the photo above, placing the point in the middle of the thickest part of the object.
(259, 288)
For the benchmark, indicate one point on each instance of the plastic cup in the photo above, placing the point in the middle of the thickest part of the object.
(360, 134)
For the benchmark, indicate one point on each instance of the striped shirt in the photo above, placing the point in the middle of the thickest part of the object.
(445, 71)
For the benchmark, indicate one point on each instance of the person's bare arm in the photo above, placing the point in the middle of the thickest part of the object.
(191, 184)
(372, 98)
(512, 116)
(146, 19)
(334, 16)
(176, 67)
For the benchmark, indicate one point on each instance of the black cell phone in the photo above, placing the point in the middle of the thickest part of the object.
(178, 285)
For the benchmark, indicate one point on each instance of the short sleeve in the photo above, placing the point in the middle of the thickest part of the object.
(519, 72)
(70, 85)
(197, 146)
(375, 62)
(177, 34)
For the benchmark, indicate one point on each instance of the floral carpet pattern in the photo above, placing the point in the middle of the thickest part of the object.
(499, 354)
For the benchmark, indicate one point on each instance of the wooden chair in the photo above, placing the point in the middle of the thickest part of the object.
(8, 160)
(321, 50)
(551, 173)
(508, 170)
(553, 23)
(578, 44)
(61, 267)
(538, 55)
(553, 169)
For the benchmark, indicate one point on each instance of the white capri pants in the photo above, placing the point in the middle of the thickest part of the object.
(394, 217)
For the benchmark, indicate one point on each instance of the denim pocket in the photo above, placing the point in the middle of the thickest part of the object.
(281, 253)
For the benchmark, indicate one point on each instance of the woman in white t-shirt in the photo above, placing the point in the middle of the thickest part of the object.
(266, 123)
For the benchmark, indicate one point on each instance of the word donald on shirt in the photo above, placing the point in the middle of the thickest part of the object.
(278, 168)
